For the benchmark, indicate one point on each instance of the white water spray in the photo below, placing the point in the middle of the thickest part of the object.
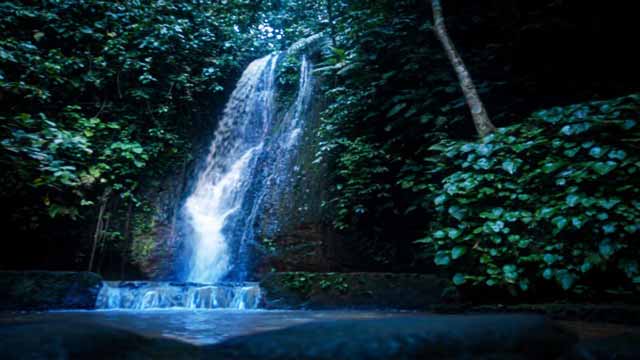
(220, 189)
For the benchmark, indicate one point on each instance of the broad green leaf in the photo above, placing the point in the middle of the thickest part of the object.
(442, 258)
(604, 168)
(565, 278)
(458, 251)
(459, 279)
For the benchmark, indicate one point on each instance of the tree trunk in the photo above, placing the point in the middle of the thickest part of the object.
(99, 227)
(127, 240)
(101, 242)
(478, 112)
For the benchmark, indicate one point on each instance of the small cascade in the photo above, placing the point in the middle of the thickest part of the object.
(142, 295)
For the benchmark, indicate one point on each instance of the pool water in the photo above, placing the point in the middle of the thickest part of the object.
(198, 327)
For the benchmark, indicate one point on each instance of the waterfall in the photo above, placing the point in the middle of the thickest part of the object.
(249, 169)
(222, 185)
(249, 164)
(272, 176)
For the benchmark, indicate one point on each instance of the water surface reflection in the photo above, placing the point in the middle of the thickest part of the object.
(198, 327)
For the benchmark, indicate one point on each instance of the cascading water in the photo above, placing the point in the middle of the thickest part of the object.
(140, 295)
(221, 188)
(270, 178)
(250, 163)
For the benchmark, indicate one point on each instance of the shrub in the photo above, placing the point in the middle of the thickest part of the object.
(554, 198)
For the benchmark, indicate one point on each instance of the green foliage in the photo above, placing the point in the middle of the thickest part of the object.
(145, 244)
(100, 94)
(391, 94)
(302, 282)
(552, 199)
(306, 282)
(283, 22)
(269, 246)
(288, 77)
(334, 282)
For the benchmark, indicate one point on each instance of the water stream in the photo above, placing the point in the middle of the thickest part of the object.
(140, 295)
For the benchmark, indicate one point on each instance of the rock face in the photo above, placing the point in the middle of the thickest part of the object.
(308, 247)
(303, 290)
(613, 313)
(45, 290)
(419, 337)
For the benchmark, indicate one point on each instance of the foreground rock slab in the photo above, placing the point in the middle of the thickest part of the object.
(48, 290)
(78, 340)
(406, 337)
(419, 337)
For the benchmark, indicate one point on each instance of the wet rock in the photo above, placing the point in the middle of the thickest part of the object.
(419, 337)
(78, 340)
(297, 290)
(615, 313)
(306, 247)
(47, 290)
(403, 337)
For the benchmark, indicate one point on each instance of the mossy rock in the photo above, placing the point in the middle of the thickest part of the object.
(82, 340)
(306, 290)
(47, 290)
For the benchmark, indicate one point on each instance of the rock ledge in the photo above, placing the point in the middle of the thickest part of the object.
(48, 290)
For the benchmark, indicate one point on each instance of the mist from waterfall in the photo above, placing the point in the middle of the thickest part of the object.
(249, 163)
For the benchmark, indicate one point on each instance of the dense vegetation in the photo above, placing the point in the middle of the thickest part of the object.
(101, 101)
(94, 91)
(394, 98)
(553, 198)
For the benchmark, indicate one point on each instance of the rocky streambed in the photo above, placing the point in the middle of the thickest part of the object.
(308, 335)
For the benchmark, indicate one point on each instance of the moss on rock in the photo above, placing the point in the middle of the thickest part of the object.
(354, 290)
(47, 290)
